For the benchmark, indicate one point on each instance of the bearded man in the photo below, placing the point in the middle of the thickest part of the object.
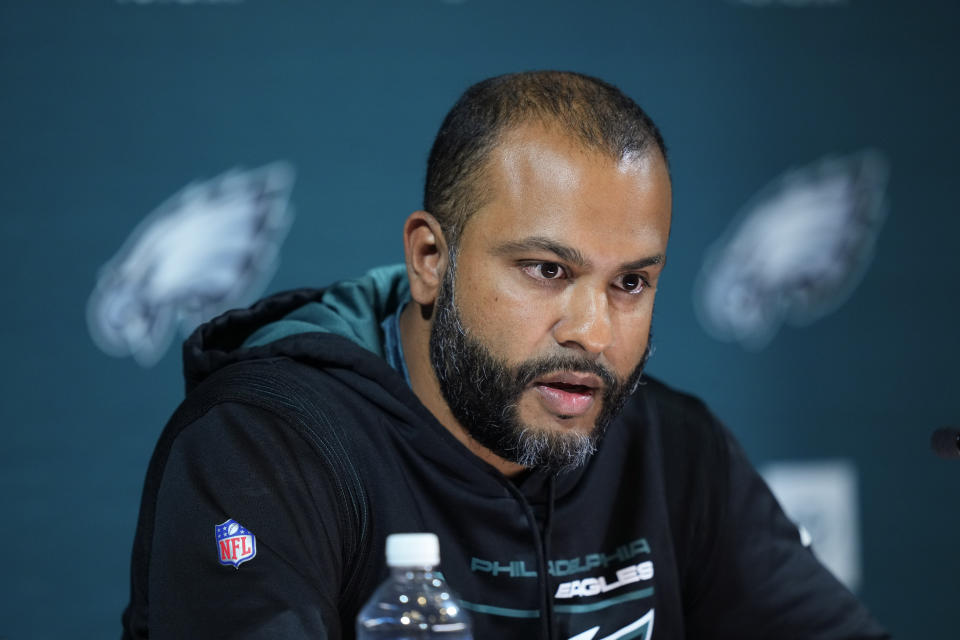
(490, 391)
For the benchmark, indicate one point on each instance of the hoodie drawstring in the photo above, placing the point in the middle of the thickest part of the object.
(547, 527)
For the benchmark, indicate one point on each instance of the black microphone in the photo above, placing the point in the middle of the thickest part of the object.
(946, 443)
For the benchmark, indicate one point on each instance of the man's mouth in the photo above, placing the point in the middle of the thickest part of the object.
(568, 394)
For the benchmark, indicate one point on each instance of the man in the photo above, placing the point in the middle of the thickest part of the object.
(490, 391)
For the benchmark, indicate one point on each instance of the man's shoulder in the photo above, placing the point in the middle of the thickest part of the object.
(269, 384)
(685, 430)
(288, 387)
(261, 398)
(674, 408)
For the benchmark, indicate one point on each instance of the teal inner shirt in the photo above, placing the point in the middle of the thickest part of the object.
(392, 344)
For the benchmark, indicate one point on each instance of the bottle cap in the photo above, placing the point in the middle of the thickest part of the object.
(413, 550)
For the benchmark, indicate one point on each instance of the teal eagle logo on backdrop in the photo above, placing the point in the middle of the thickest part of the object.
(796, 251)
(213, 246)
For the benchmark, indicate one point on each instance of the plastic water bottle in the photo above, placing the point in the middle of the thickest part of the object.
(414, 603)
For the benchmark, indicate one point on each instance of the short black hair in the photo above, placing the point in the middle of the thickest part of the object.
(591, 111)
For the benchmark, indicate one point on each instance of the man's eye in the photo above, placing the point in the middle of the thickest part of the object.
(632, 283)
(550, 270)
(545, 270)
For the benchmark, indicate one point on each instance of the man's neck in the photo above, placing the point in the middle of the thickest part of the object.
(415, 335)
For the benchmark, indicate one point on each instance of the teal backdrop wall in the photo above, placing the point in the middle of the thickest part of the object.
(108, 108)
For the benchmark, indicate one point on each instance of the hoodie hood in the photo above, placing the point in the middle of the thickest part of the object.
(350, 309)
(353, 309)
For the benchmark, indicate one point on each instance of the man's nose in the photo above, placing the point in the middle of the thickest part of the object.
(586, 322)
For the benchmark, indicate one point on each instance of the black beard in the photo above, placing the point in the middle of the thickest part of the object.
(483, 392)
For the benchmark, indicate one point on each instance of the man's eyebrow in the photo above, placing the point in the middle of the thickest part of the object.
(539, 243)
(568, 254)
(658, 259)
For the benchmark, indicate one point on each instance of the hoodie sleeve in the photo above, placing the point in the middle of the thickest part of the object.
(759, 580)
(281, 571)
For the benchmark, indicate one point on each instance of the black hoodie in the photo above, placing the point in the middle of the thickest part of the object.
(314, 446)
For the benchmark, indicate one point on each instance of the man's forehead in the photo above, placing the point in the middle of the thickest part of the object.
(558, 158)
(536, 171)
(546, 138)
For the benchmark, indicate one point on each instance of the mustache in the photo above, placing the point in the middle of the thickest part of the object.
(533, 369)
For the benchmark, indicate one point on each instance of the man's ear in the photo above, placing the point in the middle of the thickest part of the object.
(425, 248)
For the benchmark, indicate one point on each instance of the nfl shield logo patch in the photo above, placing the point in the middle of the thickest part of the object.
(235, 544)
